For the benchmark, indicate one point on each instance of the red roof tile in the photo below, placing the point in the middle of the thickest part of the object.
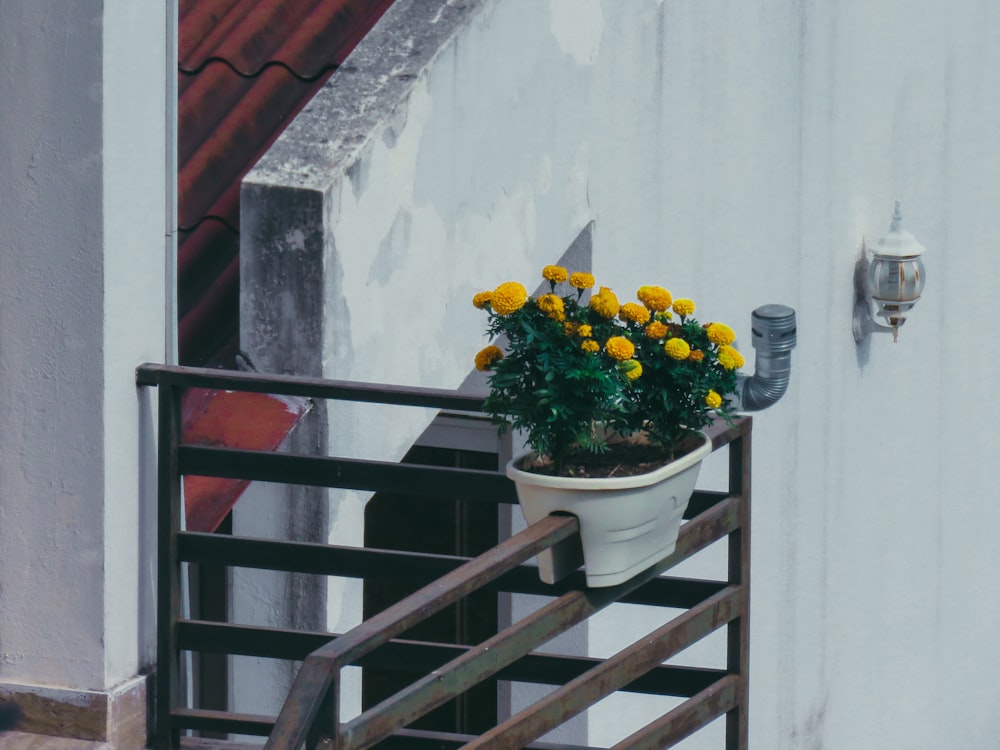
(309, 37)
(246, 67)
(224, 135)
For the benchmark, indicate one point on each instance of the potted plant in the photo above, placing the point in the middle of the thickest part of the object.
(611, 397)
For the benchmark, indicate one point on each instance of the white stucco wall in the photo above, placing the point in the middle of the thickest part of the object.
(739, 154)
(82, 227)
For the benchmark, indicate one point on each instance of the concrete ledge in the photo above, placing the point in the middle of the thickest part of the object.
(117, 717)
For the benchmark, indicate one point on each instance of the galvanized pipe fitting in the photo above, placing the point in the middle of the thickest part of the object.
(773, 337)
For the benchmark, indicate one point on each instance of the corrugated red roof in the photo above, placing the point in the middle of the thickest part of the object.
(246, 67)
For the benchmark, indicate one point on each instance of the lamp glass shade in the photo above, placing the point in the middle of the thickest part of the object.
(896, 279)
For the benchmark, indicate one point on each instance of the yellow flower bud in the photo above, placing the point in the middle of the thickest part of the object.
(486, 357)
(555, 274)
(730, 358)
(619, 348)
(683, 306)
(509, 297)
(656, 298)
(677, 349)
(720, 333)
(605, 303)
(634, 312)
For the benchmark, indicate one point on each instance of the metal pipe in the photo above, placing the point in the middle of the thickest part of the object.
(773, 336)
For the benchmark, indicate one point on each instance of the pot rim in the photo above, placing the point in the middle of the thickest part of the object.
(676, 466)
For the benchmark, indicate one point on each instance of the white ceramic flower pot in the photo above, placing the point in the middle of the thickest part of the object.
(626, 523)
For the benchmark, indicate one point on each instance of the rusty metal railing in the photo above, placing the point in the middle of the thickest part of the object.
(310, 715)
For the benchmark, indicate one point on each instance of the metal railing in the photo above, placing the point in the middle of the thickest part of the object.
(310, 715)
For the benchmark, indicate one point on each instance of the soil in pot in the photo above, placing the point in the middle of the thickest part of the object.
(624, 457)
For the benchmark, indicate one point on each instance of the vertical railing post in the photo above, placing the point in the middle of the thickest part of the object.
(325, 731)
(738, 634)
(168, 567)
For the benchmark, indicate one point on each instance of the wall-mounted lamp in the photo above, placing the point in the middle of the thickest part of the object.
(894, 282)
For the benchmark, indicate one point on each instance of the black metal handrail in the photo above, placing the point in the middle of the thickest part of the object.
(444, 670)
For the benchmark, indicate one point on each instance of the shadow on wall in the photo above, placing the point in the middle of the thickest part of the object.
(863, 349)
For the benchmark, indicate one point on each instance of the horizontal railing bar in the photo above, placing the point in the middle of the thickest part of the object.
(563, 703)
(310, 685)
(421, 657)
(204, 743)
(313, 557)
(297, 385)
(368, 563)
(687, 718)
(221, 721)
(248, 640)
(721, 433)
(346, 390)
(676, 593)
(416, 739)
(666, 680)
(348, 473)
(701, 501)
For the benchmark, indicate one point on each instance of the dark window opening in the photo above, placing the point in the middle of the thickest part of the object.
(442, 526)
(210, 598)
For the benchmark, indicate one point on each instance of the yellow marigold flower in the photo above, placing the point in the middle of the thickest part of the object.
(656, 330)
(482, 299)
(552, 305)
(634, 312)
(486, 357)
(632, 369)
(605, 303)
(730, 358)
(555, 274)
(619, 348)
(581, 280)
(696, 355)
(569, 327)
(509, 297)
(721, 334)
(683, 306)
(589, 345)
(677, 349)
(656, 298)
(713, 400)
(585, 331)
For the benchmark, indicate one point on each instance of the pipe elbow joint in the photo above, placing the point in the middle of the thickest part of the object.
(773, 331)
